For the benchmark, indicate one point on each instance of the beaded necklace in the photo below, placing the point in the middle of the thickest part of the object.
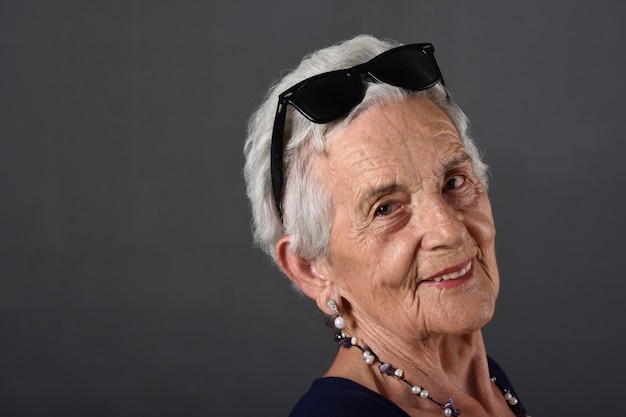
(387, 369)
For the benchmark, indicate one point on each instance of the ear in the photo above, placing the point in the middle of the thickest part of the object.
(306, 275)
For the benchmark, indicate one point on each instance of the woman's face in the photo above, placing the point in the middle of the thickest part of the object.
(412, 242)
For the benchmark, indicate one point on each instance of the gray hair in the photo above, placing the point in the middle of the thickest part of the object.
(307, 205)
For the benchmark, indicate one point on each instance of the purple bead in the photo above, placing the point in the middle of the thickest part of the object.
(450, 405)
(343, 341)
(387, 369)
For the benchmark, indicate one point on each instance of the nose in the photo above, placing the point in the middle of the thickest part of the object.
(442, 225)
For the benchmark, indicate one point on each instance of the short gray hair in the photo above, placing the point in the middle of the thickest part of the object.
(307, 205)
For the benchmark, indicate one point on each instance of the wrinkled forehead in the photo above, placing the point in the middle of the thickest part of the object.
(395, 139)
(389, 125)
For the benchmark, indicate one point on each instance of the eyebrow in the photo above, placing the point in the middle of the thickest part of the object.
(456, 162)
(370, 194)
(376, 192)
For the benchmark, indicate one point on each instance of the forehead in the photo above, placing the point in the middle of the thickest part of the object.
(386, 139)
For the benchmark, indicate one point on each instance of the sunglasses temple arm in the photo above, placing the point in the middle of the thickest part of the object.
(276, 159)
(443, 84)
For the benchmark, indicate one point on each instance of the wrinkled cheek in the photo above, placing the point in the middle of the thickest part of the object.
(484, 233)
(485, 225)
(490, 266)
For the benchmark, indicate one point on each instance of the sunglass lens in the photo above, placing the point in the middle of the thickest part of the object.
(406, 68)
(329, 97)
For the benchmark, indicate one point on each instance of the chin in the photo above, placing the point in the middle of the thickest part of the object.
(471, 320)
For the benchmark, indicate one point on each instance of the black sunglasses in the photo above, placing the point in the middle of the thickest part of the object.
(331, 95)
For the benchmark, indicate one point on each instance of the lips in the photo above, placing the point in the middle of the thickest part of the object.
(453, 275)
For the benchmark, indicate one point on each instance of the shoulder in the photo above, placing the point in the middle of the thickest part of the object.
(497, 372)
(339, 397)
(503, 383)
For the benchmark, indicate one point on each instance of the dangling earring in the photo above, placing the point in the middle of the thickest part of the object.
(338, 321)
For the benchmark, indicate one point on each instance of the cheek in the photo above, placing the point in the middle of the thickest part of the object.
(481, 227)
(366, 273)
(480, 224)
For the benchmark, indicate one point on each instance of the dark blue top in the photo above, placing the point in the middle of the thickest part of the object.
(340, 397)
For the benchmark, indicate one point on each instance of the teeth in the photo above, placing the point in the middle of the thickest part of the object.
(454, 275)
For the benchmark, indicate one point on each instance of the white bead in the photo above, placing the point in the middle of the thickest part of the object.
(354, 341)
(415, 389)
(339, 322)
(513, 401)
(424, 393)
(370, 360)
(399, 373)
(447, 412)
(508, 396)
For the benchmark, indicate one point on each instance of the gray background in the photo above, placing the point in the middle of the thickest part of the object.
(128, 282)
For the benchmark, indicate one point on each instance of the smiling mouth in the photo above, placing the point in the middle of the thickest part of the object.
(454, 275)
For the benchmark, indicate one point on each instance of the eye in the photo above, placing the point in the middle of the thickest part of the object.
(454, 182)
(385, 209)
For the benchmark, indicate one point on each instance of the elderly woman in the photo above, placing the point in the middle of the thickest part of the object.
(369, 193)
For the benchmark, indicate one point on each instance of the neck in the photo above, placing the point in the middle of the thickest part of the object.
(452, 358)
(447, 366)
